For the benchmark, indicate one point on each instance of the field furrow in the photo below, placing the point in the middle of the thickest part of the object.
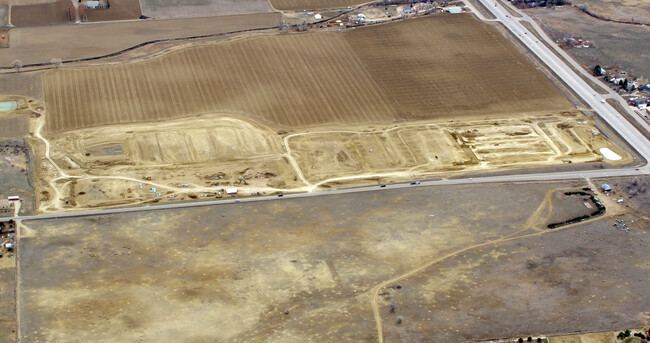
(426, 68)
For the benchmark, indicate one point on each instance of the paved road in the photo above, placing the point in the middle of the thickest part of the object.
(590, 96)
(608, 113)
(611, 94)
(448, 182)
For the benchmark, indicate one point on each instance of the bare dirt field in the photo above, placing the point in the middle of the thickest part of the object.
(299, 80)
(4, 14)
(165, 9)
(48, 13)
(25, 84)
(4, 43)
(285, 5)
(478, 72)
(119, 10)
(617, 45)
(383, 73)
(308, 270)
(14, 127)
(41, 44)
(636, 11)
(181, 159)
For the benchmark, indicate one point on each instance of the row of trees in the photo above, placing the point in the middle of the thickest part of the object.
(18, 64)
(599, 71)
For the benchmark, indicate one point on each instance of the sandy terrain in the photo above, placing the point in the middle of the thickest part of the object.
(383, 73)
(164, 9)
(617, 45)
(308, 270)
(284, 5)
(185, 159)
(41, 44)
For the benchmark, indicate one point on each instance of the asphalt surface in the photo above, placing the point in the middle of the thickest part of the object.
(591, 97)
(448, 182)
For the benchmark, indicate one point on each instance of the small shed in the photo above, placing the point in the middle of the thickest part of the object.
(605, 187)
(93, 4)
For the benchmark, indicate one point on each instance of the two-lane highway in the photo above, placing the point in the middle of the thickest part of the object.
(564, 72)
(448, 182)
(609, 114)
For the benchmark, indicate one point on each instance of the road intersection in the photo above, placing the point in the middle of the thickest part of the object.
(564, 72)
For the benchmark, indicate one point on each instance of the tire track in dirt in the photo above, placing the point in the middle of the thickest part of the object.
(531, 224)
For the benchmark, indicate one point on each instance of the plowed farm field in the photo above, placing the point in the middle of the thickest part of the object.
(379, 74)
(285, 5)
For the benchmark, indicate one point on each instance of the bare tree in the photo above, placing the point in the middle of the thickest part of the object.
(17, 64)
(282, 25)
(56, 62)
(303, 25)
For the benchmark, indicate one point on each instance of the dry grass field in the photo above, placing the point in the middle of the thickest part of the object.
(41, 44)
(7, 299)
(49, 13)
(119, 10)
(288, 5)
(617, 45)
(384, 73)
(459, 263)
(637, 11)
(165, 9)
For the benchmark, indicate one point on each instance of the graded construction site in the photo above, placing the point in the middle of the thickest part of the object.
(181, 159)
(304, 112)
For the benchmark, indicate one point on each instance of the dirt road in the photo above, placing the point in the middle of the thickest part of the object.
(42, 43)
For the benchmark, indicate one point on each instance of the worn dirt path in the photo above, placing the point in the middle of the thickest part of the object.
(541, 214)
